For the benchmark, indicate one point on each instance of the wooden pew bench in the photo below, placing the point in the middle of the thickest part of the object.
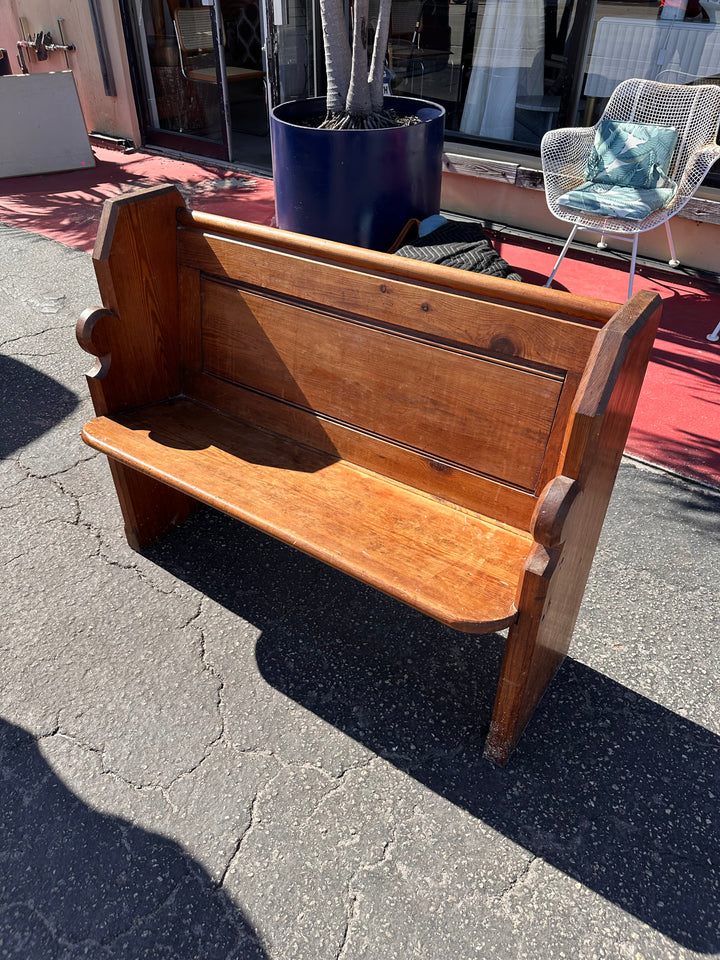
(448, 438)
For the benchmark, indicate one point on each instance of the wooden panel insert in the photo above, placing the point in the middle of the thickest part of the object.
(538, 334)
(452, 404)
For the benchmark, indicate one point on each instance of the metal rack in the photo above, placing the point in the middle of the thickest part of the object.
(42, 44)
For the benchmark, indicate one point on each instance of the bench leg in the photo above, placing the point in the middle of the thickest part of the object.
(149, 508)
(536, 646)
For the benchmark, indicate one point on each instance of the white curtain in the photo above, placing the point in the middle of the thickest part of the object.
(507, 64)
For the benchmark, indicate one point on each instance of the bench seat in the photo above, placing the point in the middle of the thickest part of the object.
(448, 562)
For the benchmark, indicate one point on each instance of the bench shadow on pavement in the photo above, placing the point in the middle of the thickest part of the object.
(31, 403)
(74, 876)
(609, 787)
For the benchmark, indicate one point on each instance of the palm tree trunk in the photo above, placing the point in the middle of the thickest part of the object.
(358, 101)
(337, 55)
(377, 67)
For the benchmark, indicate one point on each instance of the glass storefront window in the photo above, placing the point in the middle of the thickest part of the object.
(505, 70)
(518, 68)
(509, 70)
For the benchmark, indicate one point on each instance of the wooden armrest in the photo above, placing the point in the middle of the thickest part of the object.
(549, 520)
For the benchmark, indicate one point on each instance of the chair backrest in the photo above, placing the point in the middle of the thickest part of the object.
(694, 111)
(194, 29)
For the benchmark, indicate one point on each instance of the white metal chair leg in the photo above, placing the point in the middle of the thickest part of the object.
(715, 335)
(562, 254)
(633, 258)
(673, 261)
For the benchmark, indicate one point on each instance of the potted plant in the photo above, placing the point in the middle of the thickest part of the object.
(356, 165)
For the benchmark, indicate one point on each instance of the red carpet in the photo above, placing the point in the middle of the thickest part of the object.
(66, 206)
(677, 424)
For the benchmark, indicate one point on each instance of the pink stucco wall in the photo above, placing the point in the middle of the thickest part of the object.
(114, 116)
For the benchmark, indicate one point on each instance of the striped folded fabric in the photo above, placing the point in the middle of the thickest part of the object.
(461, 245)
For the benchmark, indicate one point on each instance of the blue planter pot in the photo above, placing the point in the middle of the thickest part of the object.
(356, 186)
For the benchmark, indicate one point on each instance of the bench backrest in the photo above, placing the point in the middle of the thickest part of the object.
(464, 395)
(460, 385)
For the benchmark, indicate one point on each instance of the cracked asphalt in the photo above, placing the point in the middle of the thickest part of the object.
(222, 749)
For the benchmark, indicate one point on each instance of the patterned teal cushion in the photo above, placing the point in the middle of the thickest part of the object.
(631, 154)
(623, 203)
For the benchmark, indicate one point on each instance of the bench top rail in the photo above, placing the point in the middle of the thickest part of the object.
(556, 302)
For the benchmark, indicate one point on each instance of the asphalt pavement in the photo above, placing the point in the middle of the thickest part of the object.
(220, 748)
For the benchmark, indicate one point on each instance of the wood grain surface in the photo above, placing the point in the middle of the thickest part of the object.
(454, 405)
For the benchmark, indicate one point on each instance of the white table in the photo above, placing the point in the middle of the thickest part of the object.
(668, 50)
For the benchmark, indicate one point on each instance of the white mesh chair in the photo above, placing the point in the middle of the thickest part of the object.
(693, 111)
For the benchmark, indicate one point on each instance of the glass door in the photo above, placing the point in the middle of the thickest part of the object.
(208, 71)
(249, 67)
(180, 77)
(294, 50)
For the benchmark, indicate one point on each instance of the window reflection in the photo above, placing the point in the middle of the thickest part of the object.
(509, 70)
(678, 43)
